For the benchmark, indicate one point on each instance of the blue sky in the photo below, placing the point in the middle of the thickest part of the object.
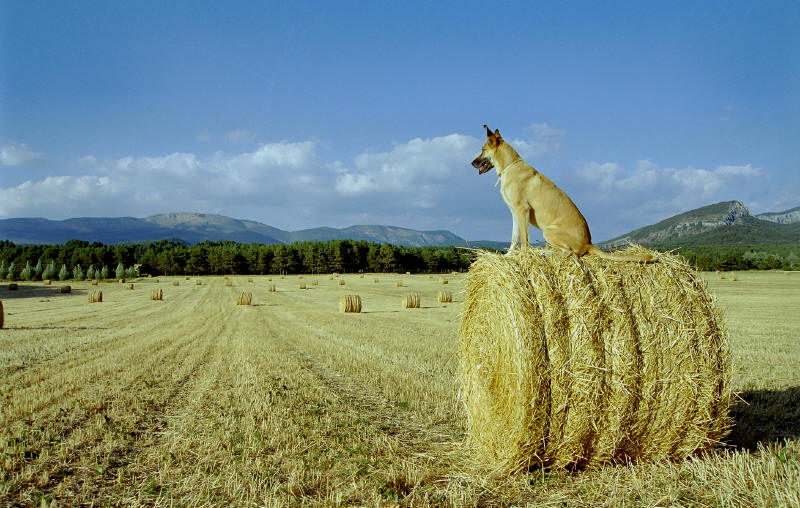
(332, 114)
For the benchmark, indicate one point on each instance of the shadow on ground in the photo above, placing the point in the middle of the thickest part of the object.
(764, 417)
(37, 290)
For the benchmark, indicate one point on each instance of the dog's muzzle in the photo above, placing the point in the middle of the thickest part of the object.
(483, 165)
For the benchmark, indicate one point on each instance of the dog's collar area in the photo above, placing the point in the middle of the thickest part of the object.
(500, 171)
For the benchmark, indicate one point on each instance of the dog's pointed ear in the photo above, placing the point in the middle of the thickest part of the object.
(488, 131)
(497, 134)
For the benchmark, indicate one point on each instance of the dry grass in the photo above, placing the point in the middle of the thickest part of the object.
(292, 403)
(95, 296)
(576, 363)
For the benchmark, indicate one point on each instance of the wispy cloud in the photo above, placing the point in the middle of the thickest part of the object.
(18, 154)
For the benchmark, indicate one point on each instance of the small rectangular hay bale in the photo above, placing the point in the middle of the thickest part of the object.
(411, 300)
(350, 303)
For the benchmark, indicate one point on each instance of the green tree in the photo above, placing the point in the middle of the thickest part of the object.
(50, 271)
(120, 271)
(27, 272)
(104, 272)
(77, 273)
(37, 270)
(3, 270)
(90, 273)
(12, 274)
(63, 274)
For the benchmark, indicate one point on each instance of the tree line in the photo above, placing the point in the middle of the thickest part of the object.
(167, 257)
(78, 259)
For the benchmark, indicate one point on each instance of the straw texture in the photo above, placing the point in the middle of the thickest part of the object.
(411, 300)
(95, 296)
(246, 298)
(350, 303)
(577, 362)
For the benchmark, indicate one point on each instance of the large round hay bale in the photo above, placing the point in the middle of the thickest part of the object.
(411, 300)
(569, 362)
(341, 282)
(350, 303)
(271, 288)
(302, 285)
(445, 296)
(157, 294)
(176, 283)
(13, 286)
(95, 296)
(66, 289)
(246, 298)
(2, 315)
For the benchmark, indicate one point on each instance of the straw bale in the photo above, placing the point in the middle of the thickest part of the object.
(445, 296)
(443, 281)
(271, 288)
(577, 362)
(65, 289)
(315, 282)
(130, 285)
(399, 283)
(2, 315)
(198, 283)
(350, 303)
(95, 282)
(246, 298)
(176, 283)
(411, 300)
(13, 286)
(229, 284)
(95, 296)
(341, 282)
(122, 281)
(156, 294)
(302, 285)
(47, 282)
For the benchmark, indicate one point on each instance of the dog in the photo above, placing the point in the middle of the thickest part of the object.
(535, 199)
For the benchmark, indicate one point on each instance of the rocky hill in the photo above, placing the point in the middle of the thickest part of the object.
(725, 223)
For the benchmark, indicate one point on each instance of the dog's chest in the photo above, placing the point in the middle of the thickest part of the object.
(505, 191)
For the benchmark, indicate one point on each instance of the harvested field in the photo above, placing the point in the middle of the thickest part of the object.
(289, 401)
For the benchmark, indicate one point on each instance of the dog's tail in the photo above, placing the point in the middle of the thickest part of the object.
(637, 258)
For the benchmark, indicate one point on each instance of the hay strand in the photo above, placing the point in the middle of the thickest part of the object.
(569, 362)
(350, 303)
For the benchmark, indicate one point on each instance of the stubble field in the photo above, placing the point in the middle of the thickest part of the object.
(194, 400)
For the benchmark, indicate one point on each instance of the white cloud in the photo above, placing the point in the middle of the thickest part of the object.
(421, 165)
(18, 154)
(544, 142)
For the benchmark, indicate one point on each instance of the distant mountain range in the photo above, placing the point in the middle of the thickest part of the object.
(725, 223)
(198, 227)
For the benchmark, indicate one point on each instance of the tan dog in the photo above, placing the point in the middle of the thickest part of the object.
(535, 199)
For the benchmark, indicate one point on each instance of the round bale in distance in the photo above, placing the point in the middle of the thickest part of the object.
(577, 362)
(445, 296)
(246, 298)
(66, 289)
(350, 303)
(95, 296)
(411, 300)
(156, 294)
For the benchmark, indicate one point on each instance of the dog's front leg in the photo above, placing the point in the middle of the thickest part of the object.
(523, 225)
(514, 231)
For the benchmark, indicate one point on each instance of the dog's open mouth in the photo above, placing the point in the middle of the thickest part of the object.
(485, 166)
